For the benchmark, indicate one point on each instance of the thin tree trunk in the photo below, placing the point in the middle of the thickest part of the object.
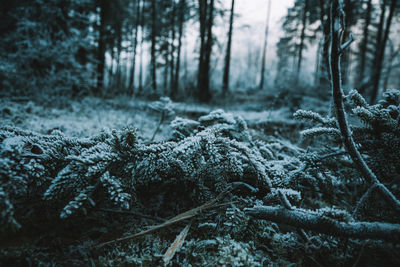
(185, 63)
(394, 54)
(140, 89)
(324, 71)
(264, 55)
(225, 86)
(135, 41)
(206, 20)
(346, 34)
(153, 46)
(175, 87)
(172, 54)
(381, 53)
(302, 38)
(317, 65)
(111, 69)
(118, 69)
(364, 43)
(101, 49)
(166, 71)
(202, 20)
(387, 76)
(208, 50)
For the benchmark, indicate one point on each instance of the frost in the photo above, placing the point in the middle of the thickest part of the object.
(164, 106)
(13, 143)
(321, 131)
(183, 127)
(217, 116)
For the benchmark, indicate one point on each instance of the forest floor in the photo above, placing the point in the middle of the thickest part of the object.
(170, 180)
(88, 116)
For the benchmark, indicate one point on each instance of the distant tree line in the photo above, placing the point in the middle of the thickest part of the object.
(85, 45)
(99, 47)
(367, 66)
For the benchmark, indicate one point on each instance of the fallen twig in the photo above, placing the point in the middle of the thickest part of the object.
(181, 217)
(286, 203)
(323, 224)
(136, 214)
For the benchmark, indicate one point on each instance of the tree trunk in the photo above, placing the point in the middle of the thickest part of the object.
(324, 73)
(206, 11)
(111, 69)
(264, 55)
(364, 43)
(346, 34)
(317, 65)
(118, 70)
(302, 38)
(166, 71)
(175, 86)
(135, 41)
(172, 54)
(101, 49)
(202, 21)
(225, 86)
(208, 50)
(140, 89)
(153, 46)
(393, 55)
(381, 51)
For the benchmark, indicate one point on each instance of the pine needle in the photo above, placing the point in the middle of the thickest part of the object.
(212, 204)
(176, 245)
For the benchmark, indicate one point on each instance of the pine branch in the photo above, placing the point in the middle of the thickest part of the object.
(322, 224)
(334, 62)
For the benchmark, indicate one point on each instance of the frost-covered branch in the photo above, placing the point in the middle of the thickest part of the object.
(334, 62)
(322, 224)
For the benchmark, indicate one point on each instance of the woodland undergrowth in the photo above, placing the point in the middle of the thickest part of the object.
(62, 197)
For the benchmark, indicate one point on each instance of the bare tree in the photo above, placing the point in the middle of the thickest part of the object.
(225, 86)
(206, 15)
(172, 44)
(101, 49)
(135, 42)
(175, 86)
(153, 65)
(264, 54)
(324, 68)
(381, 42)
(364, 43)
(140, 89)
(302, 38)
